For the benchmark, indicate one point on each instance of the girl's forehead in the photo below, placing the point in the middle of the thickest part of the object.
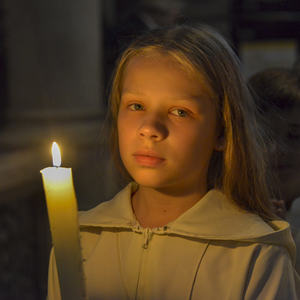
(156, 56)
(172, 62)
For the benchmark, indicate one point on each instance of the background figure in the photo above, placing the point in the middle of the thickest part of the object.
(296, 67)
(278, 96)
(141, 16)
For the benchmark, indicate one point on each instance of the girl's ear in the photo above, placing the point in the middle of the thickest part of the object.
(220, 143)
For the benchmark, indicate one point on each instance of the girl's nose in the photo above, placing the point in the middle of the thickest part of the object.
(153, 129)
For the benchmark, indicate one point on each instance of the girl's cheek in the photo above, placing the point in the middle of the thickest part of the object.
(122, 117)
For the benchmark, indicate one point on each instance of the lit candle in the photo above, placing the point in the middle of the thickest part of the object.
(63, 219)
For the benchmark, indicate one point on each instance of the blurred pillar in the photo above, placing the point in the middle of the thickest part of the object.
(54, 54)
(55, 85)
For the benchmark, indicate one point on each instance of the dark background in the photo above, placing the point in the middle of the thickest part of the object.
(55, 63)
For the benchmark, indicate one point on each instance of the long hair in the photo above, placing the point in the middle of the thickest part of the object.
(239, 171)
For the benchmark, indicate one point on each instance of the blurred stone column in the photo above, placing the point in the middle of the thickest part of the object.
(55, 87)
(54, 93)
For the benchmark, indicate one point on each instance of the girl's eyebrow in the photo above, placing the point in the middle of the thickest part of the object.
(191, 98)
(126, 93)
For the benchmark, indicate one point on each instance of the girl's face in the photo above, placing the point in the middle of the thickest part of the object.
(167, 124)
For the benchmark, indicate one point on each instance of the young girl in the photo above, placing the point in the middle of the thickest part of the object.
(195, 222)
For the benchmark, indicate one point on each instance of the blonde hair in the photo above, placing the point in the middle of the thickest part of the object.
(240, 170)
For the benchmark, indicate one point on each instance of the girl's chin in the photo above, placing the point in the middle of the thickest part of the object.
(151, 180)
(148, 182)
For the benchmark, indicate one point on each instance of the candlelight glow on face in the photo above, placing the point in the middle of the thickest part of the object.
(56, 157)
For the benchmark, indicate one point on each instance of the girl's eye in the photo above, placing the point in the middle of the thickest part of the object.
(136, 106)
(180, 112)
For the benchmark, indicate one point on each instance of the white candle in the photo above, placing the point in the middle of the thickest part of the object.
(63, 219)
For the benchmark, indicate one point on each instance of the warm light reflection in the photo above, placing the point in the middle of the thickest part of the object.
(56, 155)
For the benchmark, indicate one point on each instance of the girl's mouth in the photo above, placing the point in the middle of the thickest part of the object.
(148, 161)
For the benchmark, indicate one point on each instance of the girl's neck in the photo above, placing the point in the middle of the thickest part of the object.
(155, 208)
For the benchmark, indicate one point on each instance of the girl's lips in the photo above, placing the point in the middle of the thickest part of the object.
(148, 161)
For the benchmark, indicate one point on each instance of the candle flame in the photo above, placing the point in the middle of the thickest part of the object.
(56, 155)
